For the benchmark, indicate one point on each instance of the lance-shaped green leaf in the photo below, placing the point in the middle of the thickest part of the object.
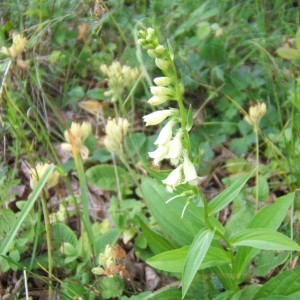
(267, 217)
(173, 260)
(263, 238)
(195, 257)
(285, 285)
(228, 195)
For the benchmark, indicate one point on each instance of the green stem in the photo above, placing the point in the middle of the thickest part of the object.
(85, 202)
(49, 243)
(257, 169)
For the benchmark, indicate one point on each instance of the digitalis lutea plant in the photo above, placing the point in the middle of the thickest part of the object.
(173, 140)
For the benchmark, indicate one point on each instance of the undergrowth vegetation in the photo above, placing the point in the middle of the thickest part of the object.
(150, 149)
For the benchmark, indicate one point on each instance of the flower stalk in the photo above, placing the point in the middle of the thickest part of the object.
(173, 141)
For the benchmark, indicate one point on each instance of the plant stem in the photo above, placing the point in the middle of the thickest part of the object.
(49, 243)
(85, 202)
(257, 169)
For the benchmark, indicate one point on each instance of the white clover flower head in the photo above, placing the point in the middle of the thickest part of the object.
(120, 77)
(38, 171)
(159, 154)
(75, 137)
(256, 112)
(17, 47)
(189, 170)
(175, 148)
(159, 116)
(174, 179)
(116, 129)
(107, 259)
(165, 134)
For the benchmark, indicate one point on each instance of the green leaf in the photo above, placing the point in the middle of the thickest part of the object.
(267, 217)
(111, 287)
(203, 30)
(134, 142)
(288, 53)
(63, 234)
(189, 121)
(267, 261)
(156, 242)
(173, 261)
(286, 285)
(96, 94)
(9, 239)
(228, 195)
(195, 257)
(104, 177)
(263, 238)
(168, 216)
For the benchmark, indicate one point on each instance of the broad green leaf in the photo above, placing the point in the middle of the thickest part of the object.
(267, 261)
(228, 195)
(263, 238)
(6, 242)
(156, 242)
(63, 234)
(168, 216)
(104, 177)
(268, 217)
(288, 53)
(134, 142)
(285, 285)
(173, 261)
(195, 257)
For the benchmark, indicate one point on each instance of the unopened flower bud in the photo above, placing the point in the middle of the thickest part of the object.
(152, 53)
(142, 34)
(155, 100)
(162, 81)
(160, 49)
(162, 64)
(162, 91)
(150, 34)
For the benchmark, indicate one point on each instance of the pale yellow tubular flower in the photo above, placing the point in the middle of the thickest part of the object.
(165, 134)
(174, 179)
(159, 154)
(159, 116)
(75, 137)
(38, 171)
(189, 170)
(175, 148)
(256, 112)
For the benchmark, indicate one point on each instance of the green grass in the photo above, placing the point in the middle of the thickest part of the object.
(226, 59)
